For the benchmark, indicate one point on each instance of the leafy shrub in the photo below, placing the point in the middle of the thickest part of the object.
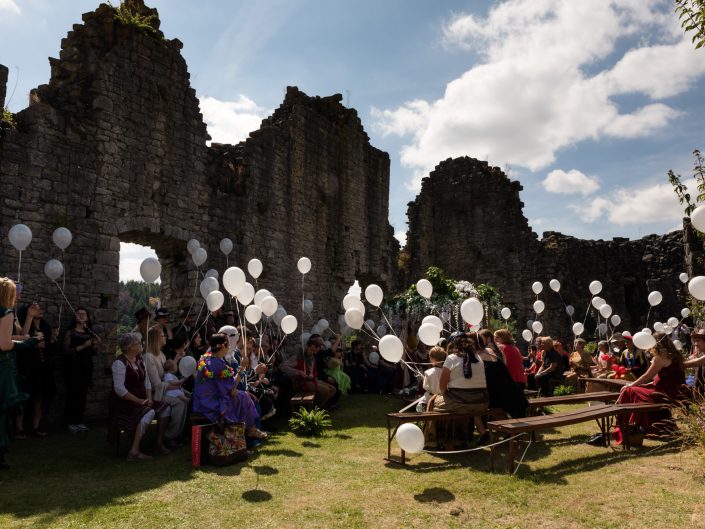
(313, 423)
(129, 16)
(563, 390)
(690, 420)
(7, 117)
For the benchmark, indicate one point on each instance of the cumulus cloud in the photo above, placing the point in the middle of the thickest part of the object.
(549, 79)
(10, 6)
(400, 236)
(131, 257)
(231, 121)
(573, 181)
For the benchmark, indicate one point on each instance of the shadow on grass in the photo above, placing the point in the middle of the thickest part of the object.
(435, 495)
(342, 436)
(282, 452)
(310, 444)
(256, 496)
(265, 470)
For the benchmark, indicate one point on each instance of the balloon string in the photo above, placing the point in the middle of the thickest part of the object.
(303, 300)
(188, 312)
(63, 286)
(19, 267)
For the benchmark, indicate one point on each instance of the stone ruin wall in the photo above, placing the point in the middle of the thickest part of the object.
(486, 239)
(114, 148)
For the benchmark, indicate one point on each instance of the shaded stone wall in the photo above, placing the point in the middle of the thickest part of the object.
(114, 148)
(468, 220)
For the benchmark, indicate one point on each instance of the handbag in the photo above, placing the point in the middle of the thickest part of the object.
(226, 444)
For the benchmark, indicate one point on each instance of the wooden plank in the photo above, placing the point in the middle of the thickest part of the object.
(602, 396)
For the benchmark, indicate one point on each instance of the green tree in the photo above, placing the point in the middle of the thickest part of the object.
(691, 13)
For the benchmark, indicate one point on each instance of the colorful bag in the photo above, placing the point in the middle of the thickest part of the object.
(227, 445)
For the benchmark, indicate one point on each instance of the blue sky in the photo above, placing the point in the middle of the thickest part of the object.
(587, 103)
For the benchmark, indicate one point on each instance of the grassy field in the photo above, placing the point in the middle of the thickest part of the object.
(342, 480)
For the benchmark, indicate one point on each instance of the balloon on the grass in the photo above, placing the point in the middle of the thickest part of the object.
(570, 310)
(615, 320)
(472, 311)
(605, 310)
(289, 324)
(539, 306)
(208, 285)
(354, 318)
(187, 366)
(20, 236)
(506, 313)
(307, 306)
(410, 438)
(424, 288)
(260, 295)
(526, 334)
(685, 312)
(254, 267)
(253, 314)
(697, 218)
(215, 300)
(226, 246)
(150, 269)
(683, 277)
(643, 341)
(304, 265)
(192, 246)
(212, 273)
(578, 328)
(555, 285)
(269, 306)
(537, 327)
(595, 288)
(429, 334)
(655, 298)
(696, 287)
(536, 287)
(391, 348)
(53, 269)
(199, 256)
(435, 320)
(62, 237)
(247, 294)
(233, 280)
(374, 295)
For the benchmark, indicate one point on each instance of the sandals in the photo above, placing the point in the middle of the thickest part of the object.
(39, 433)
(257, 434)
(20, 435)
(139, 456)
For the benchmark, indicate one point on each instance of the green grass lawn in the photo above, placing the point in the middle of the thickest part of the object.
(342, 480)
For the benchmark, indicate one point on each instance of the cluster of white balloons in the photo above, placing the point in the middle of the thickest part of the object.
(20, 236)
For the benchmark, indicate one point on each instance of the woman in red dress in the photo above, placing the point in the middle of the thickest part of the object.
(668, 376)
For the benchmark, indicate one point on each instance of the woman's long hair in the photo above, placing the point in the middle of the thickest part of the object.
(664, 347)
(466, 347)
(74, 320)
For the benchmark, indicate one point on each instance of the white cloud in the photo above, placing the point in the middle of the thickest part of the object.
(536, 90)
(401, 237)
(10, 6)
(231, 121)
(592, 211)
(131, 257)
(573, 181)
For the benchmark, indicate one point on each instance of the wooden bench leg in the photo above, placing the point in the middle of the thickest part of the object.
(512, 455)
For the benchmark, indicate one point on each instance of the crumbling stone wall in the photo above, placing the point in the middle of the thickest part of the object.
(114, 148)
(468, 220)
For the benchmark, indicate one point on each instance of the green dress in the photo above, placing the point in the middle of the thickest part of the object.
(10, 396)
(336, 372)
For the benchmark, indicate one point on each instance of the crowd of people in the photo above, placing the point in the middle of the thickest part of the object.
(242, 377)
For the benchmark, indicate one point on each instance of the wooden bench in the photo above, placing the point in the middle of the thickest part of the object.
(602, 414)
(614, 384)
(576, 398)
(396, 419)
(302, 400)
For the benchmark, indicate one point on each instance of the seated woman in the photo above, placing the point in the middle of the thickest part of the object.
(503, 391)
(131, 405)
(668, 376)
(581, 362)
(216, 395)
(512, 356)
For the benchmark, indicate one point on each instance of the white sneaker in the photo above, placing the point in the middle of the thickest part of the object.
(82, 427)
(73, 428)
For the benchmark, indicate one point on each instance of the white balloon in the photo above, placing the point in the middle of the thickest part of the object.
(539, 306)
(260, 295)
(20, 236)
(226, 246)
(305, 337)
(208, 285)
(595, 288)
(646, 330)
(683, 277)
(696, 287)
(643, 341)
(605, 310)
(289, 324)
(150, 269)
(269, 305)
(233, 280)
(350, 301)
(354, 318)
(506, 313)
(323, 324)
(597, 302)
(391, 348)
(187, 366)
(602, 328)
(529, 323)
(62, 237)
(373, 358)
(678, 344)
(673, 321)
(199, 256)
(472, 311)
(53, 269)
(192, 246)
(667, 329)
(429, 334)
(526, 334)
(697, 217)
(370, 324)
(254, 267)
(570, 310)
(685, 312)
(555, 285)
(315, 329)
(537, 327)
(424, 288)
(374, 295)
(307, 306)
(246, 294)
(253, 314)
(304, 265)
(658, 326)
(578, 328)
(212, 273)
(355, 289)
(435, 320)
(536, 287)
(410, 438)
(381, 331)
(655, 298)
(279, 315)
(615, 319)
(215, 300)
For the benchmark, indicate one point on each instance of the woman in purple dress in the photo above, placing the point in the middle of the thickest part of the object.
(216, 395)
